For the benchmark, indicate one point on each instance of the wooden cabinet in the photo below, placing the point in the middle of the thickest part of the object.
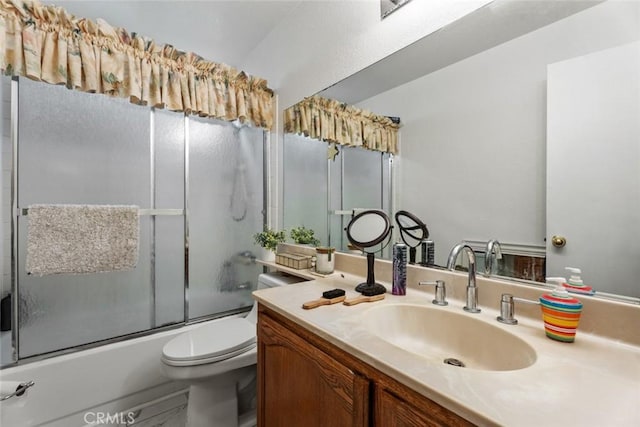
(300, 385)
(303, 380)
(393, 411)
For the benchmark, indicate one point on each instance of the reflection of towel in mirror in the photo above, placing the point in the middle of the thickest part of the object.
(81, 239)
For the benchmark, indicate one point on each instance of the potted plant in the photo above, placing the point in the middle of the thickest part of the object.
(304, 236)
(268, 240)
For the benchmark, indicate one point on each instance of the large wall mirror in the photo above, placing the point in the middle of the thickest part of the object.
(521, 121)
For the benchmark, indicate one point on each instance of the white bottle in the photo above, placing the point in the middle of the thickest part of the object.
(575, 279)
(575, 283)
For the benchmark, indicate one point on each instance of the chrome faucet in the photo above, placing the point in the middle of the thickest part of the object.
(440, 294)
(493, 246)
(472, 289)
(507, 309)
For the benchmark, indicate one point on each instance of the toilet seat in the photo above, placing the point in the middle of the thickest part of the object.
(211, 343)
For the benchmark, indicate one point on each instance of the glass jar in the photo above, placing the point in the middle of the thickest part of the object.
(325, 262)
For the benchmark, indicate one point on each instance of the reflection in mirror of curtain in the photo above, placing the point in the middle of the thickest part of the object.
(336, 122)
(474, 134)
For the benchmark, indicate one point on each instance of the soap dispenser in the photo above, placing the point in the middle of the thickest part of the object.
(575, 284)
(560, 312)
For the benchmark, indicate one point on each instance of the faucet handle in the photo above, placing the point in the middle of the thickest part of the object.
(441, 291)
(507, 308)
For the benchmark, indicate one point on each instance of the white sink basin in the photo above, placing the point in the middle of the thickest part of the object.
(439, 334)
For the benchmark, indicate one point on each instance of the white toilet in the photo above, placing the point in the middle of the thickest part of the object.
(218, 359)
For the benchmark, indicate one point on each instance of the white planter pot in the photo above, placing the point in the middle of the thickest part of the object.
(267, 255)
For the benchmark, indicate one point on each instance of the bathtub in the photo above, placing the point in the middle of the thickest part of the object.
(91, 386)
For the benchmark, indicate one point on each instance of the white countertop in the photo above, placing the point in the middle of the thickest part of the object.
(591, 382)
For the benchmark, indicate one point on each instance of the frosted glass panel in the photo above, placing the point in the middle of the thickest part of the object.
(62, 311)
(362, 182)
(81, 148)
(169, 192)
(363, 185)
(362, 179)
(169, 156)
(169, 268)
(225, 210)
(305, 184)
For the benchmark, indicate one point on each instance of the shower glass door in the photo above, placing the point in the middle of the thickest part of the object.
(79, 149)
(201, 180)
(225, 209)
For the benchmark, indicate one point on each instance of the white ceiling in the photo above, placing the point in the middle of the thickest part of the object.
(219, 30)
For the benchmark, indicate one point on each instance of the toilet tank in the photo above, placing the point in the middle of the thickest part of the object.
(275, 279)
(271, 280)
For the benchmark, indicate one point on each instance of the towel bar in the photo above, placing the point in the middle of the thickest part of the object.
(141, 212)
(161, 212)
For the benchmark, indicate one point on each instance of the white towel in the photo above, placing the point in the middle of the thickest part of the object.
(81, 239)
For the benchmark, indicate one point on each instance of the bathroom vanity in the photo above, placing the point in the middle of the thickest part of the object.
(339, 365)
(306, 380)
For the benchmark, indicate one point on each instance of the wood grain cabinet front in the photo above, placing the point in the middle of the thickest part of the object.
(393, 411)
(300, 385)
(305, 381)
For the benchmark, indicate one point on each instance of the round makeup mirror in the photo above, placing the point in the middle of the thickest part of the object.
(412, 232)
(366, 230)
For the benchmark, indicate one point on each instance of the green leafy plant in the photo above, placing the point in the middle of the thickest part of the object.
(304, 236)
(269, 238)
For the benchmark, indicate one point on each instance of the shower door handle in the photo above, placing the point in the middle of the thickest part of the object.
(20, 390)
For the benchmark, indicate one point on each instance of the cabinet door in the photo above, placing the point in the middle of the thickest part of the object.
(299, 385)
(391, 411)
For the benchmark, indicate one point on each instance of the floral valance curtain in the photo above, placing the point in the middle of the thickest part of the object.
(46, 43)
(332, 121)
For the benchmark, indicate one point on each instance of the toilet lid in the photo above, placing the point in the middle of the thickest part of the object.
(213, 341)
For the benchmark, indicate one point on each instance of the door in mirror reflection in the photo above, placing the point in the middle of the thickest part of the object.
(594, 103)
